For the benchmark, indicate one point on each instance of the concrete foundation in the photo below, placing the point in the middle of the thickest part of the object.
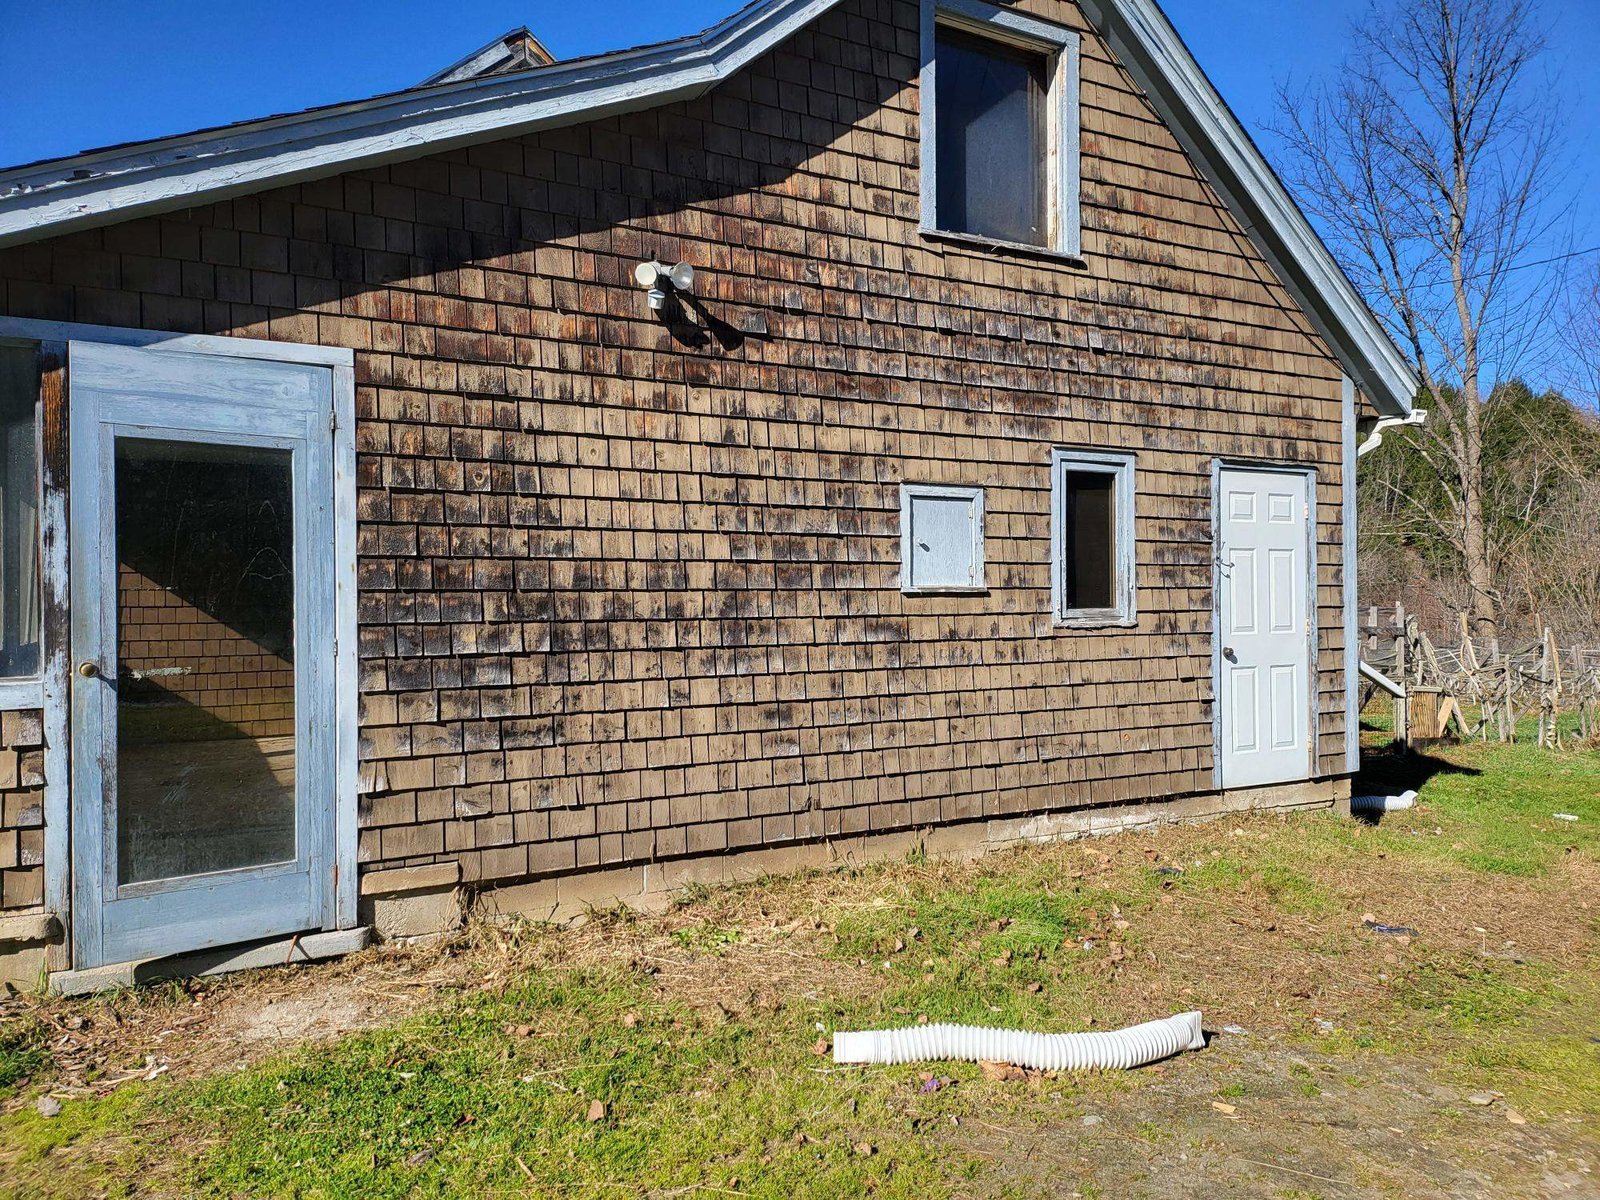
(651, 887)
(25, 941)
(412, 902)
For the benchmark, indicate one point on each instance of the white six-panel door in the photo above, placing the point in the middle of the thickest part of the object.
(1264, 626)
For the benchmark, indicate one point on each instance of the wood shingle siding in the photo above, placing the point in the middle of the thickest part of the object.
(631, 592)
(21, 811)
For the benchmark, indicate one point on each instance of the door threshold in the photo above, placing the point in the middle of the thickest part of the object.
(280, 952)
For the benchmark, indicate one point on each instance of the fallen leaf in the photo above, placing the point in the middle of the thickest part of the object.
(820, 1047)
(1002, 1072)
(629, 1021)
(865, 1149)
(597, 1110)
(1515, 1117)
(1225, 1109)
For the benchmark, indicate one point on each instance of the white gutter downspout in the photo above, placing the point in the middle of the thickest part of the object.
(1416, 416)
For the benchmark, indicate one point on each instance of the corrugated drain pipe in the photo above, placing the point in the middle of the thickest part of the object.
(1121, 1049)
(1367, 805)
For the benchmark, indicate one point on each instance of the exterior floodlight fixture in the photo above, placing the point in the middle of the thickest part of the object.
(663, 281)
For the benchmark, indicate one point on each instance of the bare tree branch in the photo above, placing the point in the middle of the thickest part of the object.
(1429, 167)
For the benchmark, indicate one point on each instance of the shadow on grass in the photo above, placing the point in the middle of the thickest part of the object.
(1391, 769)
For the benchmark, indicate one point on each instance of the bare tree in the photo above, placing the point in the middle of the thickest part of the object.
(1428, 165)
(1582, 339)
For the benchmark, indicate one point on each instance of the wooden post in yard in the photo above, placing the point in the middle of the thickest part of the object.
(1552, 654)
(1402, 721)
(1511, 706)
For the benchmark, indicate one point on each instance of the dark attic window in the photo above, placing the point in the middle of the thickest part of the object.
(992, 126)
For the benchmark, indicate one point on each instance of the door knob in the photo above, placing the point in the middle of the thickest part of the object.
(1227, 653)
(88, 669)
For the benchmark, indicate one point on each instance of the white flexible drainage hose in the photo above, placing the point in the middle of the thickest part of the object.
(1121, 1049)
(1382, 804)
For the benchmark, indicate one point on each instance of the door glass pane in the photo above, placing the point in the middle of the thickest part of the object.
(1089, 574)
(205, 658)
(990, 108)
(19, 512)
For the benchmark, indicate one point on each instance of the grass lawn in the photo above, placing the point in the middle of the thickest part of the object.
(682, 1055)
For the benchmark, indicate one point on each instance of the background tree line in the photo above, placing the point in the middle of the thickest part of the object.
(1541, 507)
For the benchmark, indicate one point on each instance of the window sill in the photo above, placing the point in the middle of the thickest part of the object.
(1096, 621)
(1010, 249)
(945, 591)
(18, 694)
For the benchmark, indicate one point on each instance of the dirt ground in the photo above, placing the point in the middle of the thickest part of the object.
(1263, 1111)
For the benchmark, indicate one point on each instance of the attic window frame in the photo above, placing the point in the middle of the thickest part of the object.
(1124, 611)
(1063, 135)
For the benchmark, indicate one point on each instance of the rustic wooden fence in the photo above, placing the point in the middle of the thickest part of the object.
(1484, 691)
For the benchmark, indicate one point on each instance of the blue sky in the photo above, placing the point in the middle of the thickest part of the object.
(76, 74)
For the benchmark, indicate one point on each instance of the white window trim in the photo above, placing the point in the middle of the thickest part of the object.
(1125, 613)
(974, 496)
(1063, 136)
(22, 692)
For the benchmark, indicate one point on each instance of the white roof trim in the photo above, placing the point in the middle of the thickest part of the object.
(120, 183)
(106, 186)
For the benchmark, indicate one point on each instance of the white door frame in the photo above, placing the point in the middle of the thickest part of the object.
(58, 799)
(1309, 473)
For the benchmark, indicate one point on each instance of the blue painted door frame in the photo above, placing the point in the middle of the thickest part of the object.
(167, 396)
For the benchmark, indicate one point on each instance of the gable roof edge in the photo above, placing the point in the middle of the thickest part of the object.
(165, 174)
(492, 58)
(1152, 50)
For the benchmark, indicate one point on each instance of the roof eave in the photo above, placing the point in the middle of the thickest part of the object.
(109, 186)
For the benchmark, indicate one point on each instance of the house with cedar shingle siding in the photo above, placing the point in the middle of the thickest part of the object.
(863, 425)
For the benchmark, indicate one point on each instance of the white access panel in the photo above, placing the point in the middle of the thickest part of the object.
(1264, 626)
